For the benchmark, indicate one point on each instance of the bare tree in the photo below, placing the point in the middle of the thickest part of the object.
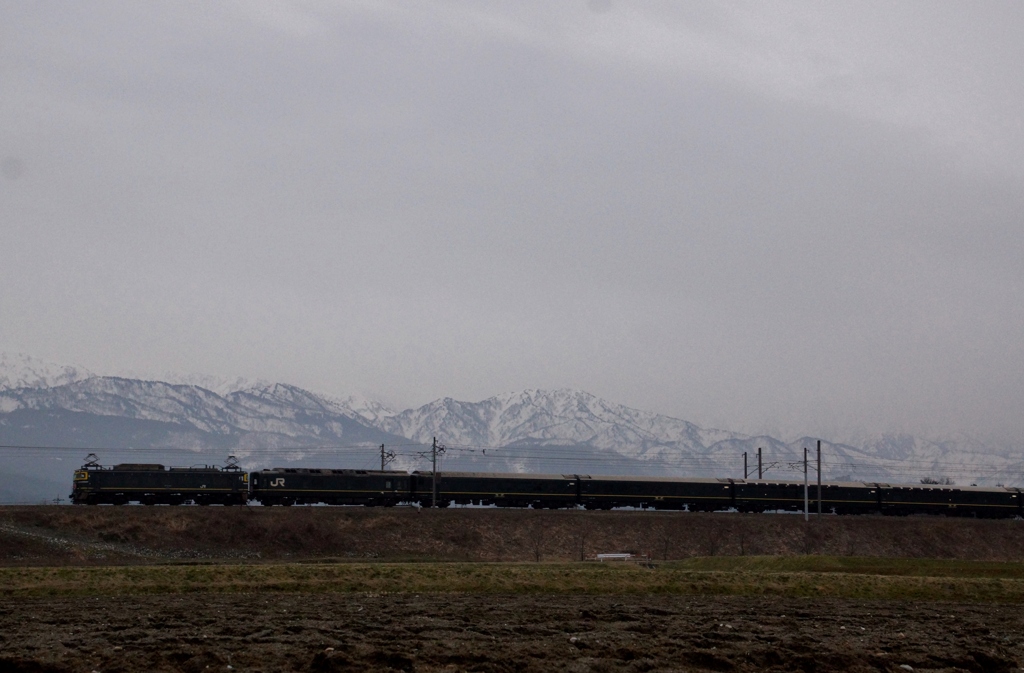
(535, 538)
(581, 531)
(665, 537)
(814, 538)
(711, 536)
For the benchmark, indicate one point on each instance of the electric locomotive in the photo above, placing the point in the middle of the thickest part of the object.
(153, 484)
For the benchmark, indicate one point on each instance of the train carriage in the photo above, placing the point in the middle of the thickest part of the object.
(836, 497)
(597, 492)
(305, 486)
(850, 498)
(950, 500)
(503, 490)
(768, 495)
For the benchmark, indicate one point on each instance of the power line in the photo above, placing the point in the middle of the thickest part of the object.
(307, 447)
(576, 455)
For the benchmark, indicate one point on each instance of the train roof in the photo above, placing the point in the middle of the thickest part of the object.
(156, 467)
(622, 478)
(948, 487)
(881, 484)
(499, 475)
(800, 482)
(328, 470)
(688, 480)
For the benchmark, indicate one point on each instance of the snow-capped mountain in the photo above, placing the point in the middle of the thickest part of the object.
(567, 430)
(559, 431)
(371, 410)
(563, 431)
(545, 417)
(218, 384)
(269, 416)
(129, 420)
(18, 370)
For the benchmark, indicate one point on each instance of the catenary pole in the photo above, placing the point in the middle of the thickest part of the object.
(760, 472)
(745, 465)
(433, 474)
(807, 515)
(385, 457)
(819, 477)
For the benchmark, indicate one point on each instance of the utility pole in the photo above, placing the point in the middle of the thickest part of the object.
(435, 451)
(760, 472)
(745, 465)
(819, 477)
(807, 516)
(385, 457)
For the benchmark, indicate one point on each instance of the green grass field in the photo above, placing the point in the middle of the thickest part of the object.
(838, 577)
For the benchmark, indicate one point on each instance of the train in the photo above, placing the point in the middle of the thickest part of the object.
(153, 484)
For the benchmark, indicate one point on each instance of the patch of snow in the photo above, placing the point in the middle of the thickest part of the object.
(18, 370)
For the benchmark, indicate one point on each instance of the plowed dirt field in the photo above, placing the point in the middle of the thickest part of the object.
(459, 632)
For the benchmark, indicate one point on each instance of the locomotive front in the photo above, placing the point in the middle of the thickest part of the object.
(152, 484)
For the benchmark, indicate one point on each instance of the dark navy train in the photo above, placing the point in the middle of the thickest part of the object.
(153, 484)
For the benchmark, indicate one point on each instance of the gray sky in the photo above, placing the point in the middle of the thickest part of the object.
(774, 217)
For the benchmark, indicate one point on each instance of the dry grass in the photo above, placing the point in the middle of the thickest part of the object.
(115, 535)
(858, 565)
(823, 577)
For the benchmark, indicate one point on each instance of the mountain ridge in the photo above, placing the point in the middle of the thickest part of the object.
(19, 370)
(561, 430)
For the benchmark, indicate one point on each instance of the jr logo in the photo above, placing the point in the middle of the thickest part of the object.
(278, 482)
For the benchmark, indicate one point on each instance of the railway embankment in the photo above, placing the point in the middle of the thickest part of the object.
(69, 535)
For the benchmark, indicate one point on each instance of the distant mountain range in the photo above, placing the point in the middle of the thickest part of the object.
(66, 411)
(18, 370)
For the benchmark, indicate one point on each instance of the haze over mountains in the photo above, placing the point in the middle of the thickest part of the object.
(197, 419)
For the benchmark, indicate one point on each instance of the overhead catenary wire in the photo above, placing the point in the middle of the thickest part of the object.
(572, 457)
(558, 447)
(496, 450)
(369, 458)
(262, 449)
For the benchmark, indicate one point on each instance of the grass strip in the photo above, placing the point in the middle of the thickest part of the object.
(768, 577)
(861, 565)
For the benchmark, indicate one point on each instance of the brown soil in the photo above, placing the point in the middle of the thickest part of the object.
(65, 535)
(445, 632)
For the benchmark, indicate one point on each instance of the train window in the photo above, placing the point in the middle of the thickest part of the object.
(387, 484)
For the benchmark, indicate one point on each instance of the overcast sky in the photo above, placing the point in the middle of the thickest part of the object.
(782, 217)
